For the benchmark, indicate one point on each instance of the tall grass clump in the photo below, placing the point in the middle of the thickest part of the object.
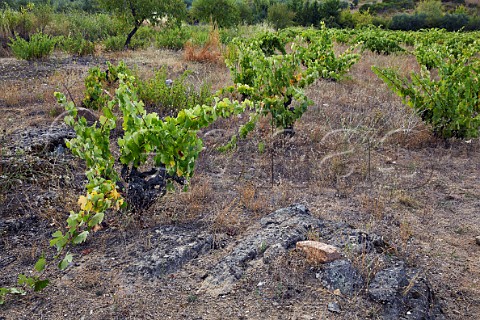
(39, 46)
(210, 51)
(91, 27)
(76, 46)
(114, 43)
(172, 95)
(172, 38)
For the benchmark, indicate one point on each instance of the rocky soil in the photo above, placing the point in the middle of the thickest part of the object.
(402, 211)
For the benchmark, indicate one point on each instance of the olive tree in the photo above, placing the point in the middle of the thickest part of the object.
(136, 12)
(225, 12)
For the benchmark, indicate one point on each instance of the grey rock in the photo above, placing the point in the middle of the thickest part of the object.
(272, 252)
(387, 284)
(341, 274)
(277, 232)
(171, 249)
(333, 307)
(342, 235)
(477, 240)
(405, 294)
(47, 139)
(362, 242)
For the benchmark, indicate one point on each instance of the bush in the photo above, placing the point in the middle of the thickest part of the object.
(166, 96)
(454, 22)
(428, 55)
(473, 23)
(97, 82)
(377, 40)
(21, 23)
(155, 92)
(408, 22)
(433, 10)
(39, 46)
(280, 16)
(172, 38)
(92, 27)
(143, 38)
(357, 19)
(209, 50)
(224, 12)
(387, 5)
(450, 100)
(114, 43)
(77, 46)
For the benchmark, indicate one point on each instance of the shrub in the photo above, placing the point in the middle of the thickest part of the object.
(449, 101)
(39, 46)
(172, 38)
(377, 40)
(98, 81)
(408, 22)
(200, 35)
(92, 27)
(156, 92)
(274, 80)
(21, 23)
(454, 22)
(280, 16)
(433, 10)
(473, 23)
(144, 37)
(114, 43)
(77, 46)
(428, 55)
(210, 51)
(387, 5)
(224, 12)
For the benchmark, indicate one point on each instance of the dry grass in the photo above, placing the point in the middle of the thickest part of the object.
(210, 52)
(358, 156)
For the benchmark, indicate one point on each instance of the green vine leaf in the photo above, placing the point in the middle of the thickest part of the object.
(40, 285)
(80, 238)
(40, 264)
(65, 262)
(96, 219)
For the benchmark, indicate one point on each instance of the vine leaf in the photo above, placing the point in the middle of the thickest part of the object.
(80, 238)
(40, 264)
(65, 262)
(40, 285)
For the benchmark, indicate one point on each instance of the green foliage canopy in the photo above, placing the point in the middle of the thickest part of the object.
(280, 16)
(137, 12)
(225, 12)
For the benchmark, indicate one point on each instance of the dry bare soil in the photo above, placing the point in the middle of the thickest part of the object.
(358, 156)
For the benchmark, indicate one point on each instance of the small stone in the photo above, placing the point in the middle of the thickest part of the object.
(333, 307)
(319, 252)
(477, 240)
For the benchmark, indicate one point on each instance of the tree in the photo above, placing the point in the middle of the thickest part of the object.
(259, 9)
(433, 9)
(137, 12)
(330, 12)
(225, 12)
(280, 16)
